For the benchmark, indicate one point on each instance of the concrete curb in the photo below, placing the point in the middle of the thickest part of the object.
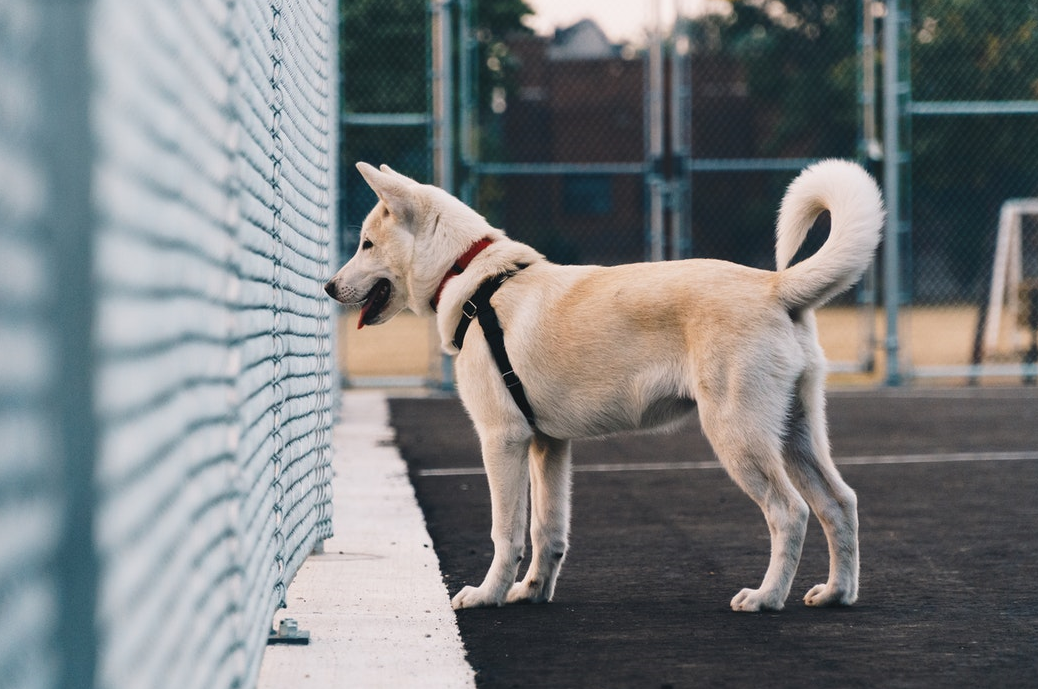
(374, 601)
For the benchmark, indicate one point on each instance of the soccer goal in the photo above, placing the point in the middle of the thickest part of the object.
(1010, 290)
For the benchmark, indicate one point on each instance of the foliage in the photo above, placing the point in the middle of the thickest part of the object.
(797, 66)
(383, 55)
(799, 59)
(965, 167)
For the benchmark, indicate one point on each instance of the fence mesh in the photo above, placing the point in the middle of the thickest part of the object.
(166, 187)
(595, 151)
(681, 144)
(974, 140)
(385, 99)
(165, 376)
(30, 497)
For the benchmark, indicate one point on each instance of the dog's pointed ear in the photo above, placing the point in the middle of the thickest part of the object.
(390, 187)
(390, 171)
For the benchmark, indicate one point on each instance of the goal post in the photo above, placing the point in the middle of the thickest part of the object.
(1007, 273)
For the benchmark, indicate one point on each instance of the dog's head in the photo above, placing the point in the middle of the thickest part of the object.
(408, 241)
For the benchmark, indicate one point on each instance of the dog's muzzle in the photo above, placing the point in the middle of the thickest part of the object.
(347, 295)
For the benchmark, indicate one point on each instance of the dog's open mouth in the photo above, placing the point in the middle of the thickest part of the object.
(375, 302)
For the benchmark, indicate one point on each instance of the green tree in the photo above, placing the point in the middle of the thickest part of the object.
(799, 59)
(964, 167)
(796, 65)
(383, 48)
(384, 68)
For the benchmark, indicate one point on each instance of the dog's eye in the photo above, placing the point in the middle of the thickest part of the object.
(367, 244)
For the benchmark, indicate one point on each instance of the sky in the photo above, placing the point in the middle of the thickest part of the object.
(622, 20)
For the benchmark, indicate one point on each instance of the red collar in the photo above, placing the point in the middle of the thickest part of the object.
(459, 266)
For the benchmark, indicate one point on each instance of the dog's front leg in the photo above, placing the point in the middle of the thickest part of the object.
(506, 463)
(549, 520)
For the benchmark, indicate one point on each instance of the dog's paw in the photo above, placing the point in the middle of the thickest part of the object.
(825, 595)
(472, 597)
(754, 600)
(527, 592)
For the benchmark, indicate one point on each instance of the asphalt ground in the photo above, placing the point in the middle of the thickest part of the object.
(947, 482)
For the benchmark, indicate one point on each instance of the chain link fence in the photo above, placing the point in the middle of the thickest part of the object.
(680, 144)
(972, 131)
(166, 354)
(385, 59)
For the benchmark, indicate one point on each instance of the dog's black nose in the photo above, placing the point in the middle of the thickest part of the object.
(330, 288)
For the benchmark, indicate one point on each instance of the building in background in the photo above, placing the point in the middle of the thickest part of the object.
(580, 99)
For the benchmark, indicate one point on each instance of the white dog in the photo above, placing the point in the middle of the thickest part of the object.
(594, 350)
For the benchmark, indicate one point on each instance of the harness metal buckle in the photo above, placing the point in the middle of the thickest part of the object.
(469, 310)
(511, 380)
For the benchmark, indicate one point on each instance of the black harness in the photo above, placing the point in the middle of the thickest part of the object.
(478, 306)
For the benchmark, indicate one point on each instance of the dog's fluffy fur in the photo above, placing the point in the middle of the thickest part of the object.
(607, 349)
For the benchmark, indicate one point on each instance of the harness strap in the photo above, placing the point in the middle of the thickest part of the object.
(478, 306)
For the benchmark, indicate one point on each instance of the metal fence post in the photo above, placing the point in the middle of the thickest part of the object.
(443, 123)
(69, 224)
(892, 184)
(443, 95)
(654, 115)
(681, 139)
(466, 98)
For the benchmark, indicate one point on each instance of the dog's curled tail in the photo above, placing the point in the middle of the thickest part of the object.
(856, 209)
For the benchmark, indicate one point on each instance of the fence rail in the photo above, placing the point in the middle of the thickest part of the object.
(975, 107)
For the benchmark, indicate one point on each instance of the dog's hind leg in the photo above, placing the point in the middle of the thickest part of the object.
(549, 519)
(834, 503)
(506, 464)
(747, 440)
(786, 514)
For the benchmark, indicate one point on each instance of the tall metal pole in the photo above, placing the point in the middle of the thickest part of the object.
(443, 125)
(892, 183)
(655, 116)
(680, 137)
(67, 229)
(442, 95)
(467, 102)
(870, 151)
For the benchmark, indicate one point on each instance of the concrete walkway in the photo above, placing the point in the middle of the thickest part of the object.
(374, 601)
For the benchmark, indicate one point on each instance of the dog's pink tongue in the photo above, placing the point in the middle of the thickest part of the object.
(363, 313)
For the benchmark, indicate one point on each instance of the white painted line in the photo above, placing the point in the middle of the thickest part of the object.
(941, 458)
(935, 393)
(586, 468)
(695, 466)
